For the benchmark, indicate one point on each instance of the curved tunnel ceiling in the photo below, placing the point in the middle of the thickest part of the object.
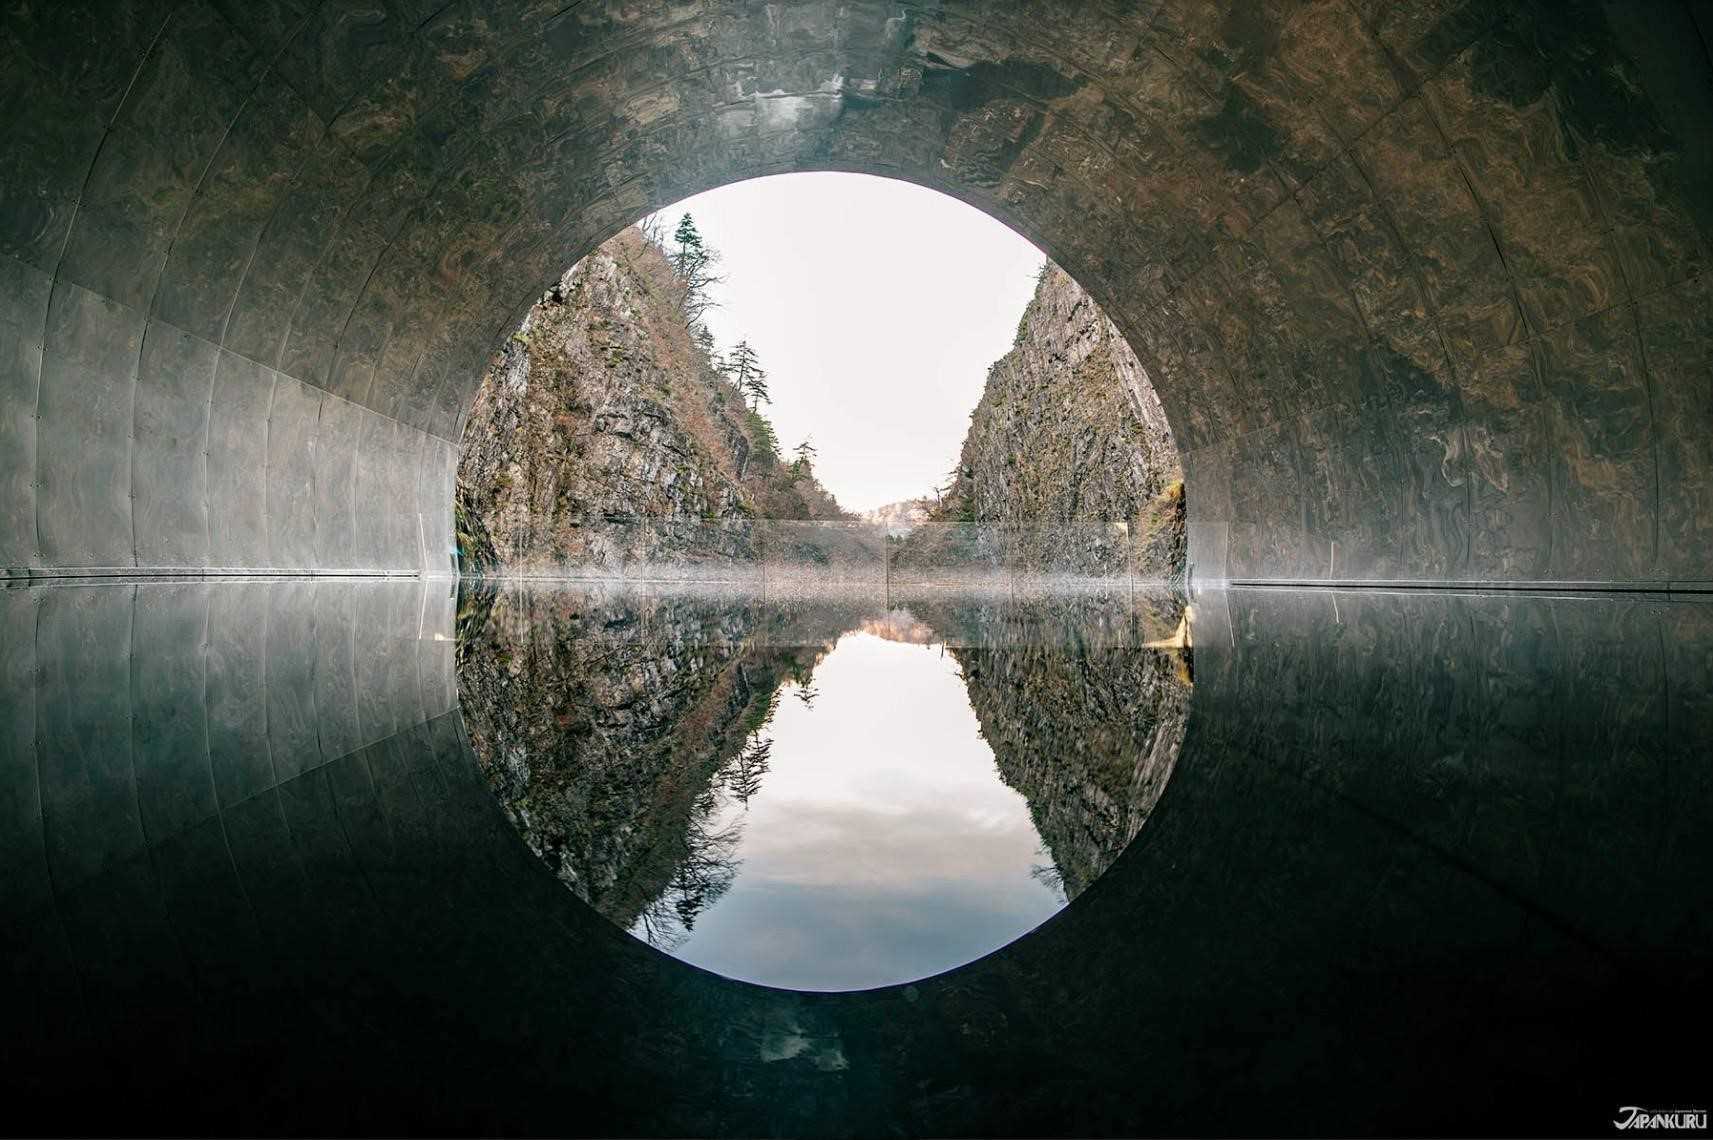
(1421, 284)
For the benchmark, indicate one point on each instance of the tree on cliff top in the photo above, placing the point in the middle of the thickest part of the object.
(689, 240)
(805, 460)
(756, 389)
(693, 262)
(740, 360)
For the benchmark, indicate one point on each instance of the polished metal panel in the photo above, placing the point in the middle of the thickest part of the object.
(170, 464)
(23, 316)
(84, 430)
(238, 462)
(293, 435)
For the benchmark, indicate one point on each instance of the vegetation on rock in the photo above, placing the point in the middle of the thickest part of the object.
(1069, 464)
(611, 754)
(606, 433)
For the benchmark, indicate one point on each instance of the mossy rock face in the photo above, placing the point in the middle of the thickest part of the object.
(603, 769)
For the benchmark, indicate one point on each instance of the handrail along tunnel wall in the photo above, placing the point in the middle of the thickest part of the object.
(1422, 284)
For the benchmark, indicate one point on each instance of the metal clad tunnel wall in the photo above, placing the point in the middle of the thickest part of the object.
(1422, 285)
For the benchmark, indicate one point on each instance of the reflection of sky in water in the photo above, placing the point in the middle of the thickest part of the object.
(882, 846)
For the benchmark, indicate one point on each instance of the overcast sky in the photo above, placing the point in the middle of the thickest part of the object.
(876, 307)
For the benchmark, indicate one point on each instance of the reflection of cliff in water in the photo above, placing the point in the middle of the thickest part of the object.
(1083, 717)
(1088, 736)
(607, 726)
(617, 728)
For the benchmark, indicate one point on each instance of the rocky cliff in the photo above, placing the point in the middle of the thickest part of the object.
(613, 726)
(1068, 436)
(602, 435)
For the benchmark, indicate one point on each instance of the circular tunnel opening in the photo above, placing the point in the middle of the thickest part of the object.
(792, 742)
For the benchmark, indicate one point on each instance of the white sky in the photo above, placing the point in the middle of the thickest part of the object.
(876, 307)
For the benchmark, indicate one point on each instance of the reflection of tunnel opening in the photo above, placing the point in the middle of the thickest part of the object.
(742, 787)
(254, 265)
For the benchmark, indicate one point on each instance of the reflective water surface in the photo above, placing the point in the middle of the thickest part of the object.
(862, 836)
(353, 857)
(823, 793)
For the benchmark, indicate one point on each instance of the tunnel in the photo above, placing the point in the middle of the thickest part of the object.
(1436, 265)
(1421, 284)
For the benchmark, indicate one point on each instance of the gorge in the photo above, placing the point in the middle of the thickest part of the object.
(625, 733)
(641, 742)
(610, 436)
(604, 435)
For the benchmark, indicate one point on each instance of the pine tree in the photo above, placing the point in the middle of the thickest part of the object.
(689, 240)
(746, 372)
(805, 460)
(693, 262)
(756, 389)
(761, 434)
(743, 777)
(740, 361)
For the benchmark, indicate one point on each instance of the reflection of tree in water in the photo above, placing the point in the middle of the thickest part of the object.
(711, 840)
(1048, 874)
(742, 777)
(601, 719)
(709, 868)
(1088, 736)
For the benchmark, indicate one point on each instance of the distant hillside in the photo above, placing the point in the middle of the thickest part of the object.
(900, 518)
(603, 435)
